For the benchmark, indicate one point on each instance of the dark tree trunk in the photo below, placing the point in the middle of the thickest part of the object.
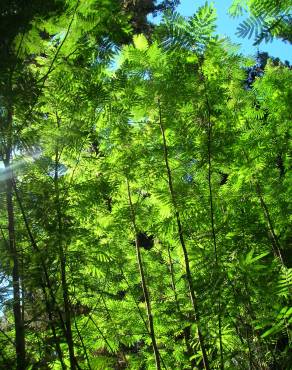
(16, 280)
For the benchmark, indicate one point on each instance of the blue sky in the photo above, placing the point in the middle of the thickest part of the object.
(227, 26)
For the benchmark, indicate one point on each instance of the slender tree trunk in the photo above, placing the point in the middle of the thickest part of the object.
(212, 218)
(256, 353)
(16, 280)
(183, 246)
(62, 258)
(101, 334)
(172, 276)
(82, 344)
(56, 340)
(144, 285)
(186, 330)
(50, 302)
(136, 303)
(114, 327)
(275, 242)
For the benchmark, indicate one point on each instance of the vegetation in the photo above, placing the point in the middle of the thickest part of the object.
(145, 186)
(266, 19)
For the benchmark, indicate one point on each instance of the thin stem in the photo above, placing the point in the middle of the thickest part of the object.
(186, 330)
(49, 307)
(275, 242)
(63, 261)
(136, 303)
(82, 344)
(144, 284)
(101, 333)
(183, 245)
(16, 279)
(212, 218)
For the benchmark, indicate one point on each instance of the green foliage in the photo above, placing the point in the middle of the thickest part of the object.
(190, 34)
(133, 166)
(267, 19)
